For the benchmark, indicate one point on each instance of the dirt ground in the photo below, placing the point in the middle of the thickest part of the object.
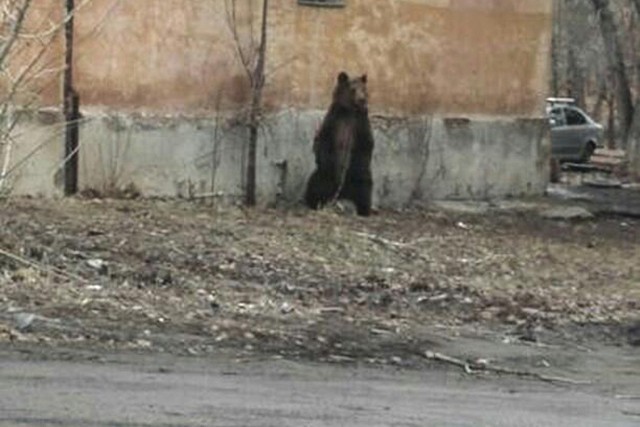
(189, 278)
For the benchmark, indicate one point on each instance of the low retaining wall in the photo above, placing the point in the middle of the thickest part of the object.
(415, 160)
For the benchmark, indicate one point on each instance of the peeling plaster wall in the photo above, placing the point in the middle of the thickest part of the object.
(423, 56)
(37, 57)
(37, 156)
(457, 88)
(415, 160)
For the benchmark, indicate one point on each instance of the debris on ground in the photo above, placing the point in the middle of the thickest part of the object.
(190, 278)
(567, 213)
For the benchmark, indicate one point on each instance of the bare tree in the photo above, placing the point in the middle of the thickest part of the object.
(596, 59)
(634, 132)
(12, 18)
(24, 69)
(616, 58)
(252, 55)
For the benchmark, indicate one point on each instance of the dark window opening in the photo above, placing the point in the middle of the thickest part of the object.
(574, 118)
(322, 3)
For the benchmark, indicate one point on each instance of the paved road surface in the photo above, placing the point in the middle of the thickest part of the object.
(193, 392)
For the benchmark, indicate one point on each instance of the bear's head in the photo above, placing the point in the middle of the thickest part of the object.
(351, 93)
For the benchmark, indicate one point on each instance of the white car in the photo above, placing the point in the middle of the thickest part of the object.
(574, 135)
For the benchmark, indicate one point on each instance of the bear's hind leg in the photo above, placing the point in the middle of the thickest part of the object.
(359, 191)
(312, 197)
(362, 198)
(321, 190)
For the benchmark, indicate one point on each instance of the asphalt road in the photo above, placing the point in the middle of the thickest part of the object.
(165, 391)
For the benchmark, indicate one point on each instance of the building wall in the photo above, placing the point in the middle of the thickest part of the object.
(422, 56)
(36, 59)
(457, 89)
(416, 159)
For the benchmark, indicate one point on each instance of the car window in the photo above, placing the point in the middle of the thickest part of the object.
(556, 117)
(574, 117)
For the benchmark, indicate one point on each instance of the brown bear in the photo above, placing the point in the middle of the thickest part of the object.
(343, 148)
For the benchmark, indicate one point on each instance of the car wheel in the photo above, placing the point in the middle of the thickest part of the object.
(588, 152)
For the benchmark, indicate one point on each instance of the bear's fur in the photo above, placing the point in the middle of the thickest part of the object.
(343, 149)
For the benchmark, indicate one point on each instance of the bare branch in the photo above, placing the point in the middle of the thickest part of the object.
(473, 367)
(616, 58)
(232, 23)
(15, 28)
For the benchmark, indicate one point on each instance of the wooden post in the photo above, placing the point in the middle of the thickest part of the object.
(71, 107)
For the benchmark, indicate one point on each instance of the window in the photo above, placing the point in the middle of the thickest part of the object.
(322, 3)
(556, 117)
(574, 117)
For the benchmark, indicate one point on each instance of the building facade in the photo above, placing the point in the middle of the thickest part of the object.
(457, 93)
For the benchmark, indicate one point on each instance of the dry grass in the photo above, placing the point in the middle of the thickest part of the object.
(303, 280)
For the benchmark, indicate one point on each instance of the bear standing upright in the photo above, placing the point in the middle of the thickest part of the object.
(343, 149)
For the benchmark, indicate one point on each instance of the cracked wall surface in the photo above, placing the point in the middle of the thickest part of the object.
(457, 90)
(422, 56)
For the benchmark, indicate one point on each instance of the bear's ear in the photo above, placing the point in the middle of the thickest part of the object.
(343, 78)
(364, 78)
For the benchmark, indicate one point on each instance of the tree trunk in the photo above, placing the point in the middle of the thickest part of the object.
(576, 83)
(256, 105)
(611, 123)
(615, 57)
(633, 149)
(555, 47)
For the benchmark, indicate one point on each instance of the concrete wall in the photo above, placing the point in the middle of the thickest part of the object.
(415, 160)
(37, 154)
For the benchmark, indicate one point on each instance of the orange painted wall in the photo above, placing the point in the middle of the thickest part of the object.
(36, 58)
(422, 56)
(170, 56)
